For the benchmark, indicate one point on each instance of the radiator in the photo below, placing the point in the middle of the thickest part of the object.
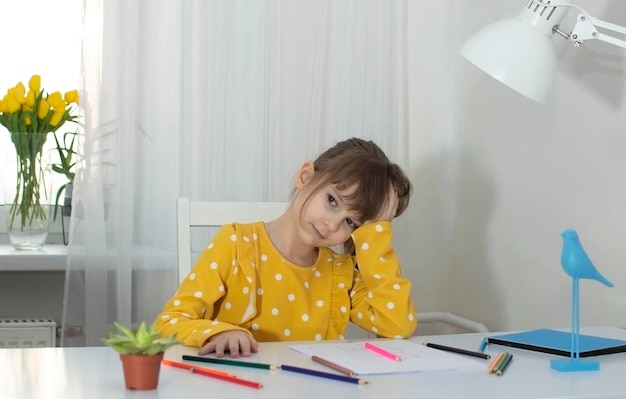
(27, 333)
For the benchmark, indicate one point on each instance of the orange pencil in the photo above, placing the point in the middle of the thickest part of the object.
(188, 366)
(493, 364)
(229, 378)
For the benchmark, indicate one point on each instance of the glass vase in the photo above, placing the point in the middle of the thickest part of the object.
(27, 190)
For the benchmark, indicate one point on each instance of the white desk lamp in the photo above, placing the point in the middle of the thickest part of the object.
(519, 51)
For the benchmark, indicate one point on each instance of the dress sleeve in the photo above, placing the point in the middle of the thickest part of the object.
(381, 296)
(190, 313)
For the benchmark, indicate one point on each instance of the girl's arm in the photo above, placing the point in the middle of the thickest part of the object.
(381, 296)
(191, 312)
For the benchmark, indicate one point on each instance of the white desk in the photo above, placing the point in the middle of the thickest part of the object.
(95, 372)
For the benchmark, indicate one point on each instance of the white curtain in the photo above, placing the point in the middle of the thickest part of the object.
(213, 100)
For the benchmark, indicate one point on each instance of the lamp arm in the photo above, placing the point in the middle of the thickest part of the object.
(586, 26)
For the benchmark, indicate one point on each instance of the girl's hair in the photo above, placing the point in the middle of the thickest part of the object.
(357, 162)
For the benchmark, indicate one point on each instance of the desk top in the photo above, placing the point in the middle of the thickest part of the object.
(96, 372)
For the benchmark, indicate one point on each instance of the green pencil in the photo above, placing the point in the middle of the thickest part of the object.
(230, 362)
(501, 362)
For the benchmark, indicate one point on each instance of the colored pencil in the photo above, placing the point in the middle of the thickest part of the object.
(229, 378)
(230, 362)
(500, 362)
(188, 366)
(458, 350)
(495, 361)
(507, 361)
(219, 374)
(333, 366)
(382, 352)
(322, 374)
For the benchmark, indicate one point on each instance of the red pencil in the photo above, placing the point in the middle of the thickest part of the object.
(188, 366)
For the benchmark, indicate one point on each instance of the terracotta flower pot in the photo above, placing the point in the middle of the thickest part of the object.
(141, 372)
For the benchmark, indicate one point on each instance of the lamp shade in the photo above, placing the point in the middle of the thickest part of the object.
(517, 54)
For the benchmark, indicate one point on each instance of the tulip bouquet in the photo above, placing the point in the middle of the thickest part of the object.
(29, 116)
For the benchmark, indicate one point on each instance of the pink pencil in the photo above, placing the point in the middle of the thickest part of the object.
(382, 352)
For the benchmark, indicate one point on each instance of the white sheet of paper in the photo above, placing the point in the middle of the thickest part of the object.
(415, 357)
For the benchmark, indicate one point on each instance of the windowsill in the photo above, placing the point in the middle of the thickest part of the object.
(52, 257)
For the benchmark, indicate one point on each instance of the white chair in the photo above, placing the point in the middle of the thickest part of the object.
(206, 214)
(216, 214)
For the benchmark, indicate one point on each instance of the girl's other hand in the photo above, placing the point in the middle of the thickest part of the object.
(235, 342)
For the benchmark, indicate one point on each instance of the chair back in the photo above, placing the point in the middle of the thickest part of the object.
(216, 214)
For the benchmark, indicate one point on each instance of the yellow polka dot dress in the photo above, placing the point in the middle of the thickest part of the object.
(241, 282)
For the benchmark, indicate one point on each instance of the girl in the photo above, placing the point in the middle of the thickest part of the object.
(281, 280)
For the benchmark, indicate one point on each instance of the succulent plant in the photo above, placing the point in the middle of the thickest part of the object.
(142, 341)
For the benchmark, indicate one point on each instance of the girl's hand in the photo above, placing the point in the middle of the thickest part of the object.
(236, 342)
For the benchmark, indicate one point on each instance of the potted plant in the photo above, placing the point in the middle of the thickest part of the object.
(141, 352)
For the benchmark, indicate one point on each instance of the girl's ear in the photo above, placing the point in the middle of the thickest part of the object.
(305, 174)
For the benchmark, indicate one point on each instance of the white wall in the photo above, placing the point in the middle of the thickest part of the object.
(499, 177)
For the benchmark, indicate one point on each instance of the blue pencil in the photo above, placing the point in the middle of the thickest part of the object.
(322, 374)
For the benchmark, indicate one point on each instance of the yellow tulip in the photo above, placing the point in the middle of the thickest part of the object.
(27, 121)
(71, 96)
(57, 116)
(35, 83)
(56, 101)
(43, 109)
(30, 99)
(18, 93)
(11, 104)
(3, 107)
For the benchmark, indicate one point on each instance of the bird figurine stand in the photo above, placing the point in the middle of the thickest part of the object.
(577, 264)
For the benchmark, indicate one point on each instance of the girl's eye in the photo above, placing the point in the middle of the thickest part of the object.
(351, 223)
(331, 200)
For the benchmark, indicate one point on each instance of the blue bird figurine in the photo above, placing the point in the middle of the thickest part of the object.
(575, 261)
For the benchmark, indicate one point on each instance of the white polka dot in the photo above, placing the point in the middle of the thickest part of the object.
(259, 291)
(192, 276)
(264, 258)
(255, 236)
(287, 332)
(382, 259)
(359, 315)
(319, 303)
(221, 288)
(291, 297)
(305, 317)
(372, 318)
(306, 284)
(252, 265)
(411, 316)
(318, 337)
(198, 294)
(370, 294)
(228, 305)
(206, 331)
(246, 290)
(375, 330)
(215, 322)
(390, 305)
(173, 321)
(213, 265)
(185, 315)
(377, 276)
(343, 309)
(165, 317)
(278, 276)
(233, 237)
(235, 270)
(341, 285)
(246, 239)
(249, 279)
(379, 228)
(275, 311)
(210, 245)
(365, 246)
(318, 273)
(398, 337)
(177, 302)
(396, 286)
(233, 262)
(255, 326)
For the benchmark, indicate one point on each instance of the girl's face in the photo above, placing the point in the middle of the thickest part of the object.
(326, 219)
